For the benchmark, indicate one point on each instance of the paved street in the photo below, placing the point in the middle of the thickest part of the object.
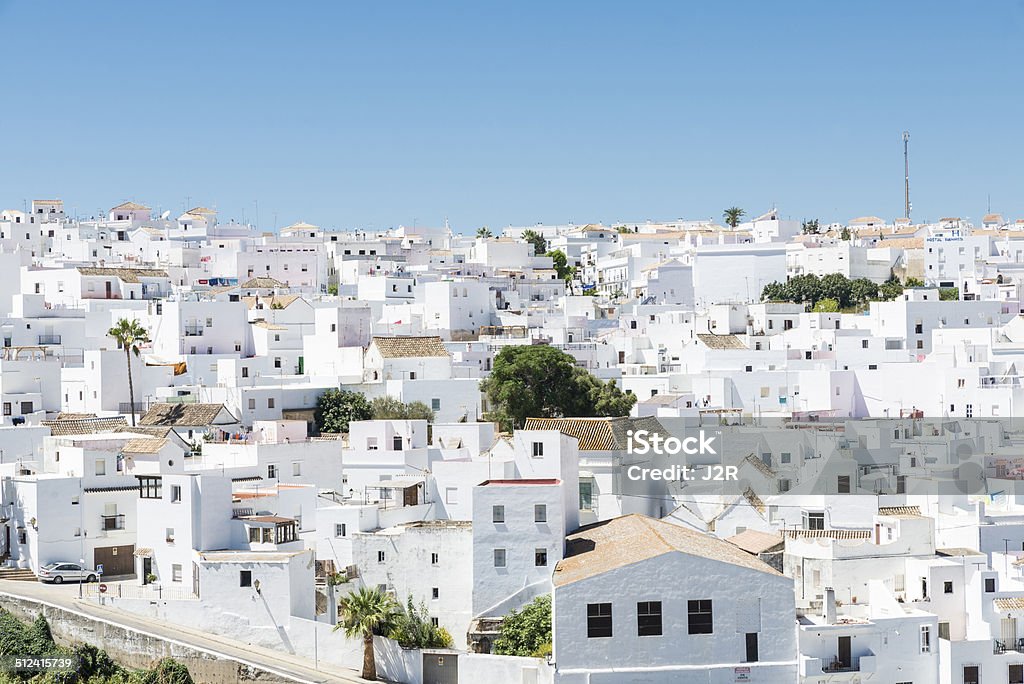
(282, 664)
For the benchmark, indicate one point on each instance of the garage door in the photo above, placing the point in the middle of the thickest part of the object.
(116, 560)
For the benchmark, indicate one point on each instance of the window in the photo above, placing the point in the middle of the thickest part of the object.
(499, 558)
(252, 404)
(699, 617)
(245, 578)
(599, 620)
(271, 472)
(972, 674)
(751, 647)
(340, 530)
(149, 488)
(435, 593)
(435, 404)
(1015, 674)
(947, 587)
(169, 535)
(175, 493)
(926, 639)
(813, 521)
(648, 618)
(451, 495)
(380, 556)
(270, 402)
(296, 469)
(498, 514)
(7, 408)
(22, 536)
(540, 557)
(843, 484)
(176, 572)
(786, 457)
(101, 466)
(435, 559)
(396, 443)
(990, 585)
(245, 371)
(944, 630)
(538, 449)
(540, 513)
(586, 495)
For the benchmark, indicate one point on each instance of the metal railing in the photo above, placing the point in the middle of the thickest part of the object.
(113, 522)
(49, 339)
(838, 665)
(158, 591)
(193, 330)
(128, 407)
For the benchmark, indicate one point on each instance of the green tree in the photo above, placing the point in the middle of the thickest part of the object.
(538, 381)
(390, 408)
(890, 289)
(484, 233)
(811, 227)
(949, 294)
(413, 628)
(863, 290)
(526, 632)
(364, 613)
(774, 292)
(732, 216)
(826, 305)
(838, 287)
(332, 289)
(540, 245)
(845, 234)
(130, 335)
(561, 264)
(914, 282)
(336, 408)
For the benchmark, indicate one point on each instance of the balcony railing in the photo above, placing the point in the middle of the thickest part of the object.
(1000, 646)
(49, 339)
(128, 407)
(838, 665)
(193, 330)
(112, 522)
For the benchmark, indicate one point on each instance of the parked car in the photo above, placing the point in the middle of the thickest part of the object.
(59, 572)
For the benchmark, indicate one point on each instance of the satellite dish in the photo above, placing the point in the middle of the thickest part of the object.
(166, 215)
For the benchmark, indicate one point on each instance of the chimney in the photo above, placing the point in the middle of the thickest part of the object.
(828, 607)
(981, 512)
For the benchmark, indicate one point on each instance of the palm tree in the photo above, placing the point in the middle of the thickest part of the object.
(733, 215)
(130, 334)
(540, 245)
(364, 613)
(484, 232)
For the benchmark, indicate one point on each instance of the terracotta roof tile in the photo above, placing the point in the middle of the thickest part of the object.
(409, 347)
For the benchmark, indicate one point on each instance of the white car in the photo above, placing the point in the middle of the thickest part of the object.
(59, 572)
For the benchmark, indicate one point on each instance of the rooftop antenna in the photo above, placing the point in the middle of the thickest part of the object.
(906, 174)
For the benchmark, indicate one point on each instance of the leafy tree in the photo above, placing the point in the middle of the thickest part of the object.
(484, 232)
(774, 292)
(732, 216)
(526, 632)
(538, 381)
(890, 289)
(826, 305)
(949, 294)
(332, 289)
(836, 286)
(130, 335)
(845, 234)
(810, 227)
(863, 290)
(389, 408)
(540, 245)
(364, 613)
(914, 282)
(414, 629)
(561, 263)
(336, 408)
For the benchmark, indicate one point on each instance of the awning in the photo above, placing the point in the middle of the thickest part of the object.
(143, 553)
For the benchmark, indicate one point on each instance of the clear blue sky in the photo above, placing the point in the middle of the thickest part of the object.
(376, 114)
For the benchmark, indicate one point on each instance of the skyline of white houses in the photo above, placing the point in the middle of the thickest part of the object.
(857, 516)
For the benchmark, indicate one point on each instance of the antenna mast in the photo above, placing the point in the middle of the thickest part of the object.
(906, 174)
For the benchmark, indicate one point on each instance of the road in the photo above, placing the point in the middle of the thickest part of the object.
(280, 664)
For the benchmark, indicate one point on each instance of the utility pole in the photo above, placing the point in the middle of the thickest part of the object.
(906, 174)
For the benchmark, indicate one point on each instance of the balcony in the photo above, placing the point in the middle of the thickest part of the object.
(1000, 646)
(49, 339)
(840, 665)
(193, 330)
(112, 522)
(128, 407)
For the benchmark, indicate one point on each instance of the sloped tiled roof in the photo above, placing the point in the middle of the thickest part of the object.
(128, 275)
(130, 206)
(182, 415)
(85, 426)
(755, 541)
(612, 544)
(1010, 603)
(410, 347)
(760, 465)
(264, 282)
(74, 416)
(277, 301)
(151, 430)
(828, 534)
(721, 341)
(596, 434)
(900, 510)
(144, 445)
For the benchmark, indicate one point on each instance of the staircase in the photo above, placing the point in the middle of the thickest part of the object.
(17, 574)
